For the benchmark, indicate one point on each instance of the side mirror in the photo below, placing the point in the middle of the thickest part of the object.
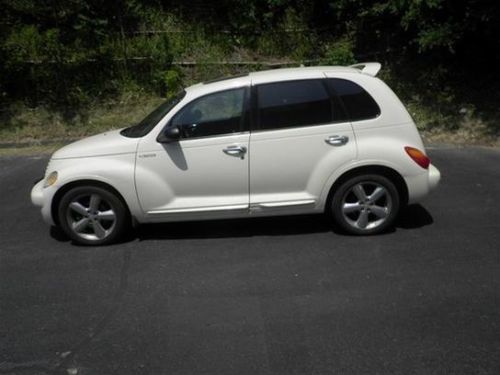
(170, 134)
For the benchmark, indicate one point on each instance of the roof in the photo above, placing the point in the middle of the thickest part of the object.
(370, 68)
(281, 74)
(292, 71)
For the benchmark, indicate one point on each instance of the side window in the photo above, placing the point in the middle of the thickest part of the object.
(359, 104)
(293, 103)
(213, 114)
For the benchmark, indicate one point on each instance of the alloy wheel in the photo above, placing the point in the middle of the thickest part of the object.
(366, 205)
(91, 217)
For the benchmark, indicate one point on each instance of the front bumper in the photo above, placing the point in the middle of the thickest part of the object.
(42, 197)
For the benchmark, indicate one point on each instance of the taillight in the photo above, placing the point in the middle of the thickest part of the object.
(418, 157)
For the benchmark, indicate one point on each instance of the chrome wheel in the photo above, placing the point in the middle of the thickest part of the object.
(366, 205)
(91, 217)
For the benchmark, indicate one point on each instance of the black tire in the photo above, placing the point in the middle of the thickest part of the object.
(99, 227)
(350, 212)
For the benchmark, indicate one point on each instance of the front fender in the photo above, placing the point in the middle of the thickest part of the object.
(116, 171)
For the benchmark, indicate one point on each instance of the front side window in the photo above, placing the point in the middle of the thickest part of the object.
(293, 104)
(359, 104)
(213, 114)
(150, 121)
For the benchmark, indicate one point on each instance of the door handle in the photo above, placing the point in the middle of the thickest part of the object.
(337, 140)
(235, 150)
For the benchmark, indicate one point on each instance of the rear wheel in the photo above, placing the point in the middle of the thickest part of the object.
(365, 204)
(91, 215)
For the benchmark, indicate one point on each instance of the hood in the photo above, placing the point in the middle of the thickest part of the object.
(108, 143)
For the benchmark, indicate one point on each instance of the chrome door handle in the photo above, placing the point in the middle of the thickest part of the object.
(337, 140)
(235, 150)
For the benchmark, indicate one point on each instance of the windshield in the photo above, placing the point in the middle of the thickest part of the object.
(150, 121)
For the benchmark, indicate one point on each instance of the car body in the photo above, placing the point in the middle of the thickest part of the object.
(268, 143)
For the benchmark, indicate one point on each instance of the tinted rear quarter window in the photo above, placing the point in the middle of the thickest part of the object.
(358, 103)
(293, 104)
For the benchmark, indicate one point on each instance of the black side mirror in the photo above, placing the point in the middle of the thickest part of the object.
(170, 134)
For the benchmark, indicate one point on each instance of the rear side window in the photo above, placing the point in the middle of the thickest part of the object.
(293, 104)
(358, 103)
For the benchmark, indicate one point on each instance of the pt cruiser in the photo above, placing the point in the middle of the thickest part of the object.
(279, 142)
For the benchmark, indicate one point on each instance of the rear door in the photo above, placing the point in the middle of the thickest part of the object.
(301, 136)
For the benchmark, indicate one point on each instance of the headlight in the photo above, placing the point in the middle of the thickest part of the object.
(50, 179)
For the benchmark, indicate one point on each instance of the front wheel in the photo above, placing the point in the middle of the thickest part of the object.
(365, 204)
(91, 215)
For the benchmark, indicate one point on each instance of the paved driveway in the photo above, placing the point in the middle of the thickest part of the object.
(263, 296)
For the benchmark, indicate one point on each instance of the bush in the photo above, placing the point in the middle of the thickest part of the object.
(339, 52)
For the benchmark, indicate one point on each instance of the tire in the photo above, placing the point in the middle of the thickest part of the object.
(91, 215)
(365, 204)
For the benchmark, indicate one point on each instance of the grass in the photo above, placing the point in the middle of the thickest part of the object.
(35, 126)
(467, 135)
(464, 128)
(31, 150)
(40, 130)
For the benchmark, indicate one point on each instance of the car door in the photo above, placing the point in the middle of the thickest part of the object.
(302, 137)
(206, 170)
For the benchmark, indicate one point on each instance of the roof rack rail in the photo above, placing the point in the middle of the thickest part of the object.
(370, 68)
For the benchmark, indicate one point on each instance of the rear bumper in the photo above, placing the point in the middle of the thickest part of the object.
(434, 177)
(420, 185)
(42, 197)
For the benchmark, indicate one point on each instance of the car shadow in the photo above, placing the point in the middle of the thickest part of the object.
(174, 151)
(57, 234)
(263, 226)
(412, 217)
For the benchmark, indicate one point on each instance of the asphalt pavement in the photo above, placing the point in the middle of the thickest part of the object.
(262, 296)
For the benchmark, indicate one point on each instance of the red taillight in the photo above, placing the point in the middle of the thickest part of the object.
(418, 157)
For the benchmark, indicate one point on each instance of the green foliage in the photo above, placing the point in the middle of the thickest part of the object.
(67, 56)
(437, 36)
(27, 44)
(171, 82)
(340, 52)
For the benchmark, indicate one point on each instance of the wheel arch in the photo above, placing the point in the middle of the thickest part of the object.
(390, 173)
(86, 182)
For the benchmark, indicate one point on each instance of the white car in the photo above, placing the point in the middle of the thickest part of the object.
(279, 142)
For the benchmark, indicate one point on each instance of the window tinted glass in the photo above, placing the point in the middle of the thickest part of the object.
(359, 104)
(293, 103)
(219, 113)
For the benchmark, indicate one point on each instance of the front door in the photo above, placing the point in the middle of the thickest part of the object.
(204, 172)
